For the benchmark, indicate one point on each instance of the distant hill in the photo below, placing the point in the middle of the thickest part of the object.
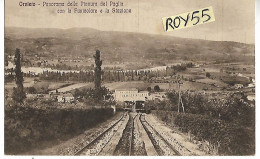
(122, 46)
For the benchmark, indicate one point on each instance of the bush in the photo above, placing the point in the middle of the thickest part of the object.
(208, 75)
(233, 108)
(92, 96)
(27, 127)
(31, 90)
(233, 139)
(156, 88)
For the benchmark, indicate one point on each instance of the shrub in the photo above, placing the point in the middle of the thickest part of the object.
(233, 138)
(208, 75)
(31, 90)
(26, 127)
(233, 108)
(156, 88)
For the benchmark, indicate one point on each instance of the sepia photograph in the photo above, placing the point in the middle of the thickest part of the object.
(129, 78)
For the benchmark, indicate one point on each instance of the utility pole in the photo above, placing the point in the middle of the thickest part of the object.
(134, 106)
(179, 96)
(180, 99)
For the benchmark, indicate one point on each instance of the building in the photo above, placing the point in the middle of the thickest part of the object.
(132, 95)
(65, 98)
(132, 99)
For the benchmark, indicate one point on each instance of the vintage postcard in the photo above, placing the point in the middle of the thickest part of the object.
(129, 78)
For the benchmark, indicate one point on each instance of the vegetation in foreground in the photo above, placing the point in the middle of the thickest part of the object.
(227, 124)
(27, 127)
(34, 123)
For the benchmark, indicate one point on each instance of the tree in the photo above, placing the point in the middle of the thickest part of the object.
(32, 90)
(18, 92)
(93, 96)
(99, 92)
(6, 60)
(173, 98)
(149, 89)
(156, 88)
(98, 62)
(208, 75)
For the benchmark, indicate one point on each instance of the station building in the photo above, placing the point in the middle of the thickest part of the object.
(133, 95)
(132, 99)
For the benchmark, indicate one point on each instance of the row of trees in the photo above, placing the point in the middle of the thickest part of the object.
(112, 76)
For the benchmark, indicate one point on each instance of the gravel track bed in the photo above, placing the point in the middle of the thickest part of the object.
(123, 147)
(161, 147)
(138, 146)
(95, 147)
(80, 143)
(179, 142)
(71, 146)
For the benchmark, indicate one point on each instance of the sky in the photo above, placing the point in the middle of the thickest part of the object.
(234, 19)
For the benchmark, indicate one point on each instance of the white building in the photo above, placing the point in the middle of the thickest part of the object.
(130, 95)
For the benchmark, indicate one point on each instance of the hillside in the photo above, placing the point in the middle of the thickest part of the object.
(123, 46)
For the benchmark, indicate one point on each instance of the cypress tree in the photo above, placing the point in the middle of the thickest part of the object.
(98, 62)
(18, 92)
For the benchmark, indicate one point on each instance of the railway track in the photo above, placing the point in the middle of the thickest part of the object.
(161, 145)
(137, 145)
(124, 146)
(131, 137)
(94, 147)
(130, 142)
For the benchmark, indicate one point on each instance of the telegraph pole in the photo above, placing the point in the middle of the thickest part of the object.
(180, 99)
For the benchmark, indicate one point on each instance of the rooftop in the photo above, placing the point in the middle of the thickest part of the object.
(129, 89)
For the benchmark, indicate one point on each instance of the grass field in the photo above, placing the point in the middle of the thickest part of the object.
(44, 85)
(73, 87)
